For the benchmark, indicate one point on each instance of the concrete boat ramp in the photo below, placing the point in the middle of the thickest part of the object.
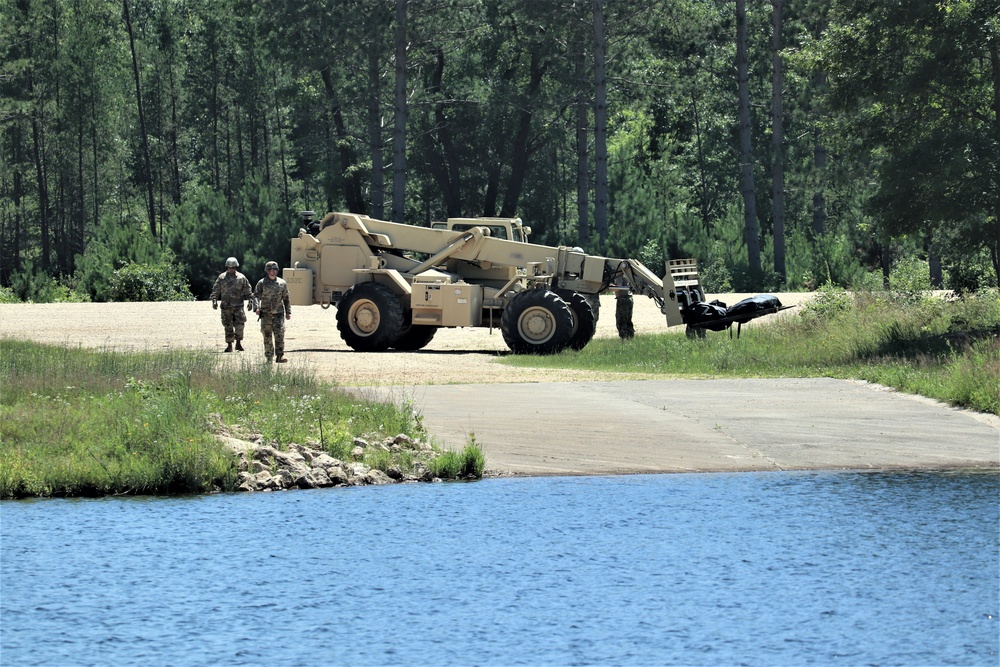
(660, 426)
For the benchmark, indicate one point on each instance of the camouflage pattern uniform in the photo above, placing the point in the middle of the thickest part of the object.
(274, 306)
(231, 289)
(623, 314)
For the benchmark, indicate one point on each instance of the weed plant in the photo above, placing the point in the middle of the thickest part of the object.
(79, 422)
(948, 350)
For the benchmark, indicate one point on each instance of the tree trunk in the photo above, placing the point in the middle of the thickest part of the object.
(399, 113)
(746, 152)
(582, 161)
(600, 127)
(352, 178)
(521, 150)
(279, 126)
(819, 198)
(444, 163)
(375, 135)
(934, 264)
(43, 190)
(706, 219)
(142, 122)
(777, 141)
(994, 243)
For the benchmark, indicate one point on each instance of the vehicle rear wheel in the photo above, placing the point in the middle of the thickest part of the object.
(414, 337)
(370, 317)
(537, 321)
(584, 319)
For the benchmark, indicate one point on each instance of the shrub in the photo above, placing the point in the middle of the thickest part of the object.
(149, 282)
(829, 302)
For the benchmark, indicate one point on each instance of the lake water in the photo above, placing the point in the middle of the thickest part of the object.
(720, 569)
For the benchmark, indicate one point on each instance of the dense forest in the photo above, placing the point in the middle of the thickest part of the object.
(783, 144)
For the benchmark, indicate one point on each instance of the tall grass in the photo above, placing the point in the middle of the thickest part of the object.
(945, 349)
(80, 422)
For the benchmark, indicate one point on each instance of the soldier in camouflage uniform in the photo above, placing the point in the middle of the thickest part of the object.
(273, 307)
(623, 314)
(232, 288)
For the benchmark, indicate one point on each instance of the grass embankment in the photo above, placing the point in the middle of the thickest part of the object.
(948, 350)
(76, 422)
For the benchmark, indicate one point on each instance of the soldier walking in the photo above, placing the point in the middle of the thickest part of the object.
(273, 307)
(232, 288)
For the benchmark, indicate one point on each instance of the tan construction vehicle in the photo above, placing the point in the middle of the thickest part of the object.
(394, 284)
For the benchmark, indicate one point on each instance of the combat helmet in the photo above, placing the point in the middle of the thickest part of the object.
(270, 265)
(232, 262)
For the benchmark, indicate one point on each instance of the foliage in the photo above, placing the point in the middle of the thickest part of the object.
(829, 302)
(254, 111)
(468, 463)
(143, 282)
(207, 229)
(77, 422)
(115, 245)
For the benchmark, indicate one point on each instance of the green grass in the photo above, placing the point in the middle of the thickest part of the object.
(946, 350)
(75, 422)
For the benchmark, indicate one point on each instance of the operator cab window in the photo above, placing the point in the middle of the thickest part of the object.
(496, 231)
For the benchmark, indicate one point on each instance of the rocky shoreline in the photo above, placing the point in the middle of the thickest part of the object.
(263, 467)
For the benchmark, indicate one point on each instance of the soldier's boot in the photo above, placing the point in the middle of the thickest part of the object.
(239, 346)
(229, 347)
(269, 360)
(281, 360)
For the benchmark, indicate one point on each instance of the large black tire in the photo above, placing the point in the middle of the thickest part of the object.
(414, 337)
(537, 321)
(370, 317)
(584, 319)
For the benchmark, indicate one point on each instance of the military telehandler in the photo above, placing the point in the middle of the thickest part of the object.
(395, 284)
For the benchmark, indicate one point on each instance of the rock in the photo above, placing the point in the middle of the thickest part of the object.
(358, 452)
(314, 478)
(337, 475)
(356, 469)
(324, 461)
(265, 453)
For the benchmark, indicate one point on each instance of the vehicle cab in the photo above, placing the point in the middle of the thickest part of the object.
(511, 229)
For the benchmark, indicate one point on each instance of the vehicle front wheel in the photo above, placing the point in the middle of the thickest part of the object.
(370, 317)
(537, 321)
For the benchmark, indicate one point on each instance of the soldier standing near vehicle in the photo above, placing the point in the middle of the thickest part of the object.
(232, 288)
(273, 307)
(623, 314)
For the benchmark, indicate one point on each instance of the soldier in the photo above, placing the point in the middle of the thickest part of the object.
(623, 314)
(273, 308)
(232, 288)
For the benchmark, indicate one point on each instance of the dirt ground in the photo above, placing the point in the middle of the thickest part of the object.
(455, 356)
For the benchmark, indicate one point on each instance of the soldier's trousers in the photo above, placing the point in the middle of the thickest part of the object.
(272, 325)
(623, 315)
(233, 320)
